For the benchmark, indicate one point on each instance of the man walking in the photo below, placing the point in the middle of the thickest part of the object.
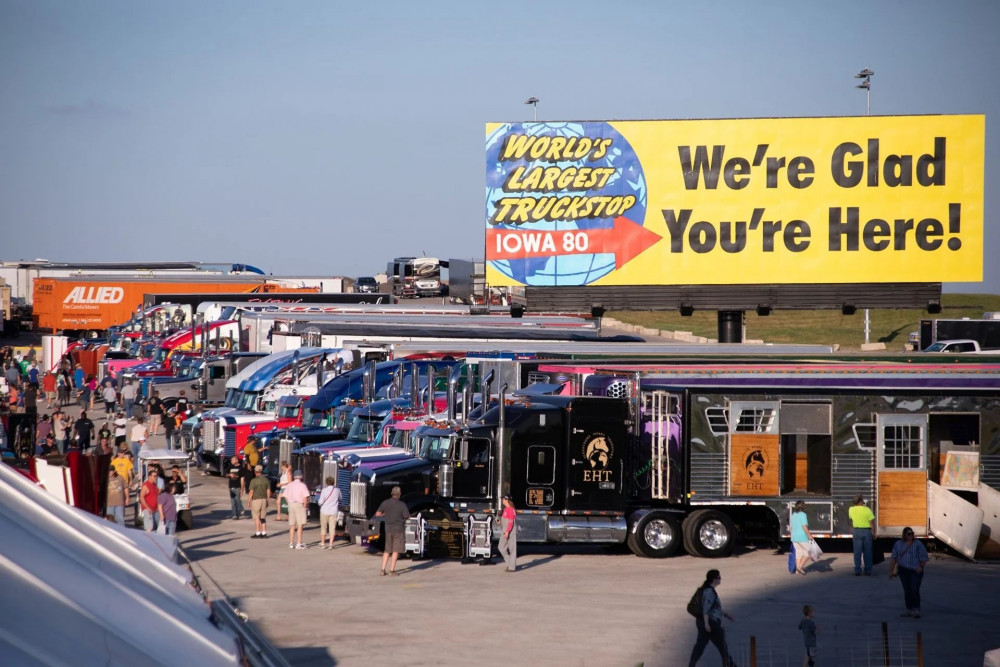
(235, 493)
(124, 466)
(863, 531)
(260, 493)
(121, 429)
(117, 495)
(396, 513)
(297, 497)
(167, 508)
(84, 429)
(155, 409)
(128, 398)
(149, 502)
(110, 397)
(138, 436)
(709, 622)
(49, 387)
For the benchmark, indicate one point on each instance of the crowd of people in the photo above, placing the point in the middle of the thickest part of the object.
(44, 396)
(40, 402)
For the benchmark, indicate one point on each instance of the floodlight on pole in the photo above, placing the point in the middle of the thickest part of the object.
(866, 85)
(533, 101)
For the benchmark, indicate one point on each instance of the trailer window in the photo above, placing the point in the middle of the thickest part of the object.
(902, 447)
(866, 435)
(718, 420)
(755, 420)
(541, 464)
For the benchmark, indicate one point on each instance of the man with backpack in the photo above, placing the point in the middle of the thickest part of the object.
(707, 609)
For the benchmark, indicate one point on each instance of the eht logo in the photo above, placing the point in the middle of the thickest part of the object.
(95, 295)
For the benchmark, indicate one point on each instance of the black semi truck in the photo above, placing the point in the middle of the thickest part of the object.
(660, 457)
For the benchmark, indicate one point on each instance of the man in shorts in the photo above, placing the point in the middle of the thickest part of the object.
(396, 513)
(297, 496)
(260, 493)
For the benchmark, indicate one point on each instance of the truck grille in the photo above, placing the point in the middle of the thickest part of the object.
(344, 482)
(359, 497)
(230, 443)
(208, 435)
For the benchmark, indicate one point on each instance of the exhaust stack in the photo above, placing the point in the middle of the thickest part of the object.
(500, 446)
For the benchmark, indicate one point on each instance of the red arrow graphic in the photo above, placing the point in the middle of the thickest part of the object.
(626, 240)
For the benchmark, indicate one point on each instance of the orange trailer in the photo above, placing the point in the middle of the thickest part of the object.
(94, 303)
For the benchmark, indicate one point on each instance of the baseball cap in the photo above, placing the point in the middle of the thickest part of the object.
(297, 473)
(259, 468)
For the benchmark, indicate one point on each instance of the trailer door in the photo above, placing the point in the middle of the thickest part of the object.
(595, 461)
(902, 473)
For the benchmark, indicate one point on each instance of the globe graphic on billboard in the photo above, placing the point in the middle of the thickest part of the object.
(627, 179)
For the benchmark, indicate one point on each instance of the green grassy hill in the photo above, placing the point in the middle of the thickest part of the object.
(826, 327)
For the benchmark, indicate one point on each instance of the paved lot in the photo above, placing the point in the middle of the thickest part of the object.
(572, 606)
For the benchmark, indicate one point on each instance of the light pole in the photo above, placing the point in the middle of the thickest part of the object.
(866, 85)
(533, 101)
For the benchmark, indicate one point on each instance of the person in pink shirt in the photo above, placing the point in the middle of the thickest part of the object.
(297, 496)
(508, 534)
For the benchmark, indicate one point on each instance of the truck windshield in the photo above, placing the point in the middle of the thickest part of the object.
(248, 400)
(399, 438)
(314, 418)
(232, 398)
(288, 411)
(435, 447)
(340, 418)
(161, 355)
(364, 428)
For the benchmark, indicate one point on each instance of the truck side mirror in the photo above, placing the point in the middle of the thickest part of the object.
(463, 452)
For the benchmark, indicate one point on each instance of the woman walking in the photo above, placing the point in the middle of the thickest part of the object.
(800, 536)
(908, 560)
(508, 534)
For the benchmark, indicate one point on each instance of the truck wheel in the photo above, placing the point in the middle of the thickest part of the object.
(655, 535)
(712, 534)
(687, 534)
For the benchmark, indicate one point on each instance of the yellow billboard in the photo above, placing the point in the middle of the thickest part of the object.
(739, 201)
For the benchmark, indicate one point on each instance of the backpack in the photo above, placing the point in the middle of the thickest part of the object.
(694, 605)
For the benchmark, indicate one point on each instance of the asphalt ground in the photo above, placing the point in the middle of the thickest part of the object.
(579, 605)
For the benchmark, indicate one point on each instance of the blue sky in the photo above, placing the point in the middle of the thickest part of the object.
(328, 137)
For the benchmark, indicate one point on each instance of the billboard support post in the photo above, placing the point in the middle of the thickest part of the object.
(730, 326)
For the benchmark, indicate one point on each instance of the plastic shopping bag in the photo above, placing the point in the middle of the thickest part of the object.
(162, 528)
(815, 553)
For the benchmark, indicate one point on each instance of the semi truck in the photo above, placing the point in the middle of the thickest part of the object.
(663, 457)
(412, 277)
(986, 332)
(89, 305)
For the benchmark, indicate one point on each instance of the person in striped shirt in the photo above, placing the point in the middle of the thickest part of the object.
(908, 559)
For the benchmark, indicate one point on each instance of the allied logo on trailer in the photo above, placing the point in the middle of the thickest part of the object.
(598, 450)
(83, 295)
